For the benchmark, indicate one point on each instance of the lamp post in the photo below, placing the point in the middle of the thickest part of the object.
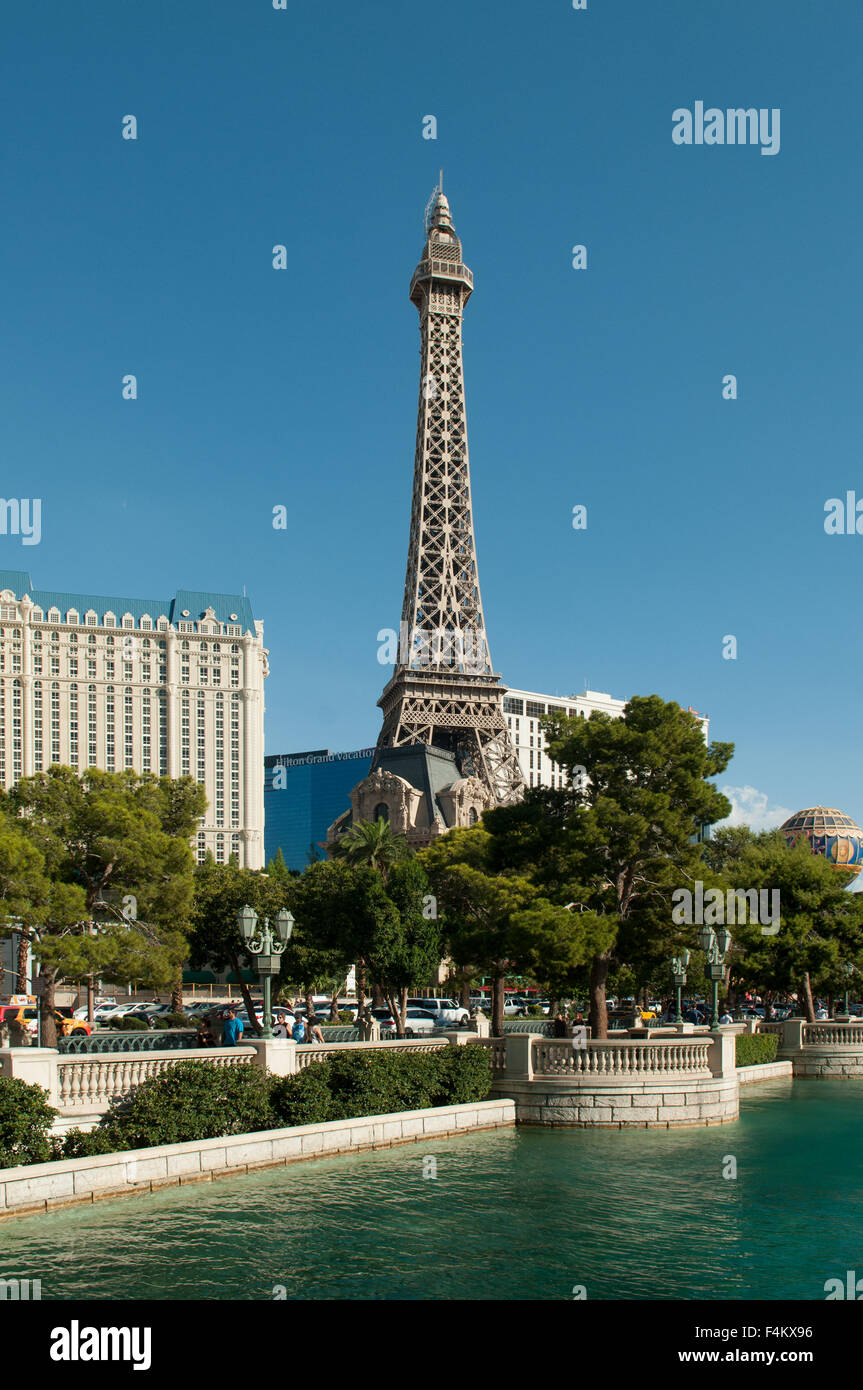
(678, 970)
(847, 970)
(716, 946)
(268, 948)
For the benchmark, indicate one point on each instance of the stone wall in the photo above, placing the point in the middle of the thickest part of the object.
(44, 1186)
(657, 1083)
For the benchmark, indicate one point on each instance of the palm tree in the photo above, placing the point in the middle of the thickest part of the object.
(371, 843)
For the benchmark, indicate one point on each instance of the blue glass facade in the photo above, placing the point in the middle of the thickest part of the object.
(303, 795)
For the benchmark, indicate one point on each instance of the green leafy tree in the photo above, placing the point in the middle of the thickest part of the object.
(370, 844)
(405, 948)
(220, 891)
(116, 843)
(479, 907)
(820, 924)
(607, 844)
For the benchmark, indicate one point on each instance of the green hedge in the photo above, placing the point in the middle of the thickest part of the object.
(350, 1084)
(25, 1123)
(753, 1049)
(200, 1100)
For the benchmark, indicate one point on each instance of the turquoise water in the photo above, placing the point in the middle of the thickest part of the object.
(512, 1214)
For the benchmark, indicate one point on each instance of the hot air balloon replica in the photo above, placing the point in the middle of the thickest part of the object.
(831, 834)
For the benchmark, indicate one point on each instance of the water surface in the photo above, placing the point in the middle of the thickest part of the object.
(511, 1214)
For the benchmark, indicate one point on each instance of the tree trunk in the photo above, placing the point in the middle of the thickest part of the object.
(307, 1000)
(465, 995)
(247, 997)
(177, 994)
(497, 983)
(598, 1009)
(808, 1001)
(377, 996)
(397, 1002)
(334, 1002)
(362, 985)
(46, 1008)
(24, 939)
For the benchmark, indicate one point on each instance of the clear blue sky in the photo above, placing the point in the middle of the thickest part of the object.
(259, 388)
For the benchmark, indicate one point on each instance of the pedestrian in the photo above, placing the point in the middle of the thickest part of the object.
(233, 1029)
(298, 1032)
(313, 1030)
(558, 1028)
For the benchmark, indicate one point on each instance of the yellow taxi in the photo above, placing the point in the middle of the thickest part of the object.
(67, 1024)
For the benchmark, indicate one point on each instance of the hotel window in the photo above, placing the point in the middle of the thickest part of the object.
(534, 709)
(110, 620)
(37, 724)
(128, 710)
(55, 722)
(72, 616)
(128, 620)
(163, 733)
(91, 619)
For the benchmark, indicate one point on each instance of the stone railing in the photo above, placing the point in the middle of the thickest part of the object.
(621, 1058)
(833, 1035)
(92, 1083)
(83, 1087)
(828, 1049)
(307, 1053)
(617, 1061)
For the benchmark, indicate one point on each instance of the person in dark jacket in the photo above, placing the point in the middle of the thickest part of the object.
(559, 1027)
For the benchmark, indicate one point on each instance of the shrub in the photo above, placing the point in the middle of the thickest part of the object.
(464, 1075)
(752, 1049)
(125, 1024)
(25, 1123)
(79, 1143)
(173, 1021)
(351, 1084)
(345, 1016)
(191, 1101)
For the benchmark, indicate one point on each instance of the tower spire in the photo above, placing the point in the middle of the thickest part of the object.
(444, 691)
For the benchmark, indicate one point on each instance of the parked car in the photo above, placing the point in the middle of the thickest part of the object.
(67, 1024)
(446, 1010)
(513, 1008)
(417, 1021)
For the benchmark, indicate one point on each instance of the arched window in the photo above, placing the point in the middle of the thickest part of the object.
(472, 816)
(382, 811)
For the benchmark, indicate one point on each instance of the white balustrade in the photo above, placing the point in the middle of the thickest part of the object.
(94, 1081)
(620, 1059)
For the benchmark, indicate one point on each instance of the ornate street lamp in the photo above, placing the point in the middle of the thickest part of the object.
(268, 948)
(678, 970)
(847, 970)
(716, 946)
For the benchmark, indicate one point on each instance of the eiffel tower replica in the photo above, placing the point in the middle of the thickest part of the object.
(444, 754)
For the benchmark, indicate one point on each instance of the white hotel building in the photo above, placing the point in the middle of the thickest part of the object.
(169, 686)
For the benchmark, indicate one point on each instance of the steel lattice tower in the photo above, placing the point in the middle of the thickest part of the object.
(443, 691)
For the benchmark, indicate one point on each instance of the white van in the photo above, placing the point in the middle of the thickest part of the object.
(445, 1010)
